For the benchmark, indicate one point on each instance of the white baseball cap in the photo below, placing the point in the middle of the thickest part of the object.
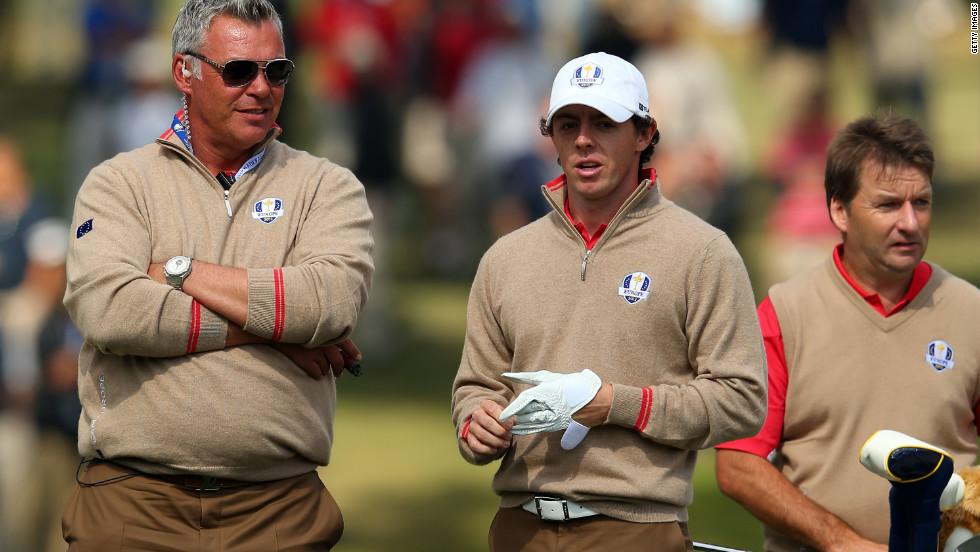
(603, 81)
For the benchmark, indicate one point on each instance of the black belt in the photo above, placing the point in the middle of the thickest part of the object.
(200, 483)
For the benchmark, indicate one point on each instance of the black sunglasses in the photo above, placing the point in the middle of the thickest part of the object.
(240, 72)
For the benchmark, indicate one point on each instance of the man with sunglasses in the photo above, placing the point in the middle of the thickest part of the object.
(216, 275)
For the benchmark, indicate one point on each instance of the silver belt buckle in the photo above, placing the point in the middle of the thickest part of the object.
(564, 506)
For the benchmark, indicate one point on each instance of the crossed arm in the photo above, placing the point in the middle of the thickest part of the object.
(224, 289)
(120, 304)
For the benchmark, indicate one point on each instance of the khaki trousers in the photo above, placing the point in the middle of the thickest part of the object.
(112, 510)
(516, 529)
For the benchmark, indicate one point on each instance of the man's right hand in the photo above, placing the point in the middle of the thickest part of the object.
(484, 433)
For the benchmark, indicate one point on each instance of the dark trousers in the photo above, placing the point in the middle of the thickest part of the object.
(515, 529)
(112, 510)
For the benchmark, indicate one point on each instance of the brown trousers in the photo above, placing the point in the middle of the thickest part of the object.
(515, 529)
(145, 513)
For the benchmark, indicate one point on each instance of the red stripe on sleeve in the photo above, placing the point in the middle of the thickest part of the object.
(645, 406)
(466, 429)
(195, 331)
(280, 305)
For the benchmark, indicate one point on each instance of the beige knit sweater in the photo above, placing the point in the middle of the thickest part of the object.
(686, 362)
(159, 391)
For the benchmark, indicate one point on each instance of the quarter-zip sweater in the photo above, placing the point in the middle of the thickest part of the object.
(685, 356)
(159, 391)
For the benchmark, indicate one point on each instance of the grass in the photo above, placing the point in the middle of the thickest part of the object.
(395, 471)
(401, 483)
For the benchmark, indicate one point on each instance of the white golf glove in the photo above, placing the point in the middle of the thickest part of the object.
(550, 404)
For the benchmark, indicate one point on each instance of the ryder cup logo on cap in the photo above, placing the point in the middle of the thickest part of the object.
(602, 81)
(587, 75)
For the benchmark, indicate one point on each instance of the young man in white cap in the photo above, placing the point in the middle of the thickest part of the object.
(606, 342)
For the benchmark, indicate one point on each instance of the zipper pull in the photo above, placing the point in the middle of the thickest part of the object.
(226, 181)
(584, 261)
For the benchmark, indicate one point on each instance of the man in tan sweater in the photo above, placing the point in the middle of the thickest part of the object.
(211, 274)
(630, 324)
(872, 339)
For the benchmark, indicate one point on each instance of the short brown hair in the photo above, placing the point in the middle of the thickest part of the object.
(886, 139)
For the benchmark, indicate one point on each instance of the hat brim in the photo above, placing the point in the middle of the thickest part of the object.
(609, 108)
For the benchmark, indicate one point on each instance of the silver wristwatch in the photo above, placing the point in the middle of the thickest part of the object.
(176, 269)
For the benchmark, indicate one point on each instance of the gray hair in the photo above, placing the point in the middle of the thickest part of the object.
(195, 18)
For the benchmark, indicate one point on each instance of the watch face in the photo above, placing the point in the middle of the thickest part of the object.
(176, 265)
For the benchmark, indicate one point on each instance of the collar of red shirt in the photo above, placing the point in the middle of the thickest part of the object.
(920, 276)
(590, 241)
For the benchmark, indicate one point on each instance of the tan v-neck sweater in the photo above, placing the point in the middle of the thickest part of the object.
(853, 372)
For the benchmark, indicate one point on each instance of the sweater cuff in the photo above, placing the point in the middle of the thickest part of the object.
(214, 331)
(208, 331)
(266, 303)
(631, 406)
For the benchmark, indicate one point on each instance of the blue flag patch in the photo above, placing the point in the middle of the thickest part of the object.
(84, 228)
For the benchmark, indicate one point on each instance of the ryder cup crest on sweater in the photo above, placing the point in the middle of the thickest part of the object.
(939, 355)
(267, 210)
(602, 81)
(635, 288)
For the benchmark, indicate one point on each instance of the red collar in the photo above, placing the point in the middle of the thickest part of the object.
(920, 276)
(590, 241)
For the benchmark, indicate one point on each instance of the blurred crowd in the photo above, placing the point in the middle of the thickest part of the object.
(434, 105)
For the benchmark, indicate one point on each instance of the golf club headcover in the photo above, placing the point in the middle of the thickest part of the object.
(900, 457)
(550, 404)
(923, 484)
